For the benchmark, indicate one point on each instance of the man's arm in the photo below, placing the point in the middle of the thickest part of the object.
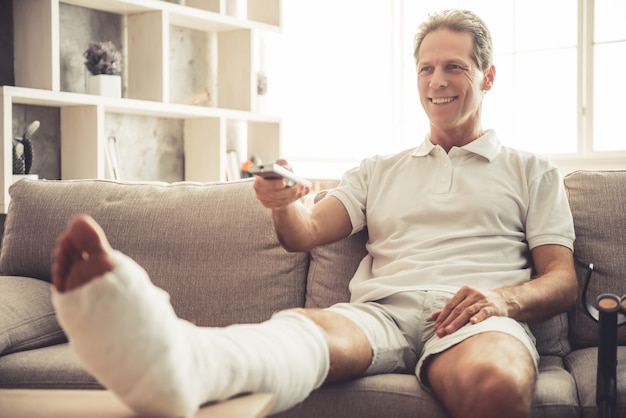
(553, 291)
(297, 228)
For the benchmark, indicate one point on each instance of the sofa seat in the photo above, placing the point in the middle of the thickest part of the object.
(581, 364)
(555, 397)
(367, 397)
(51, 367)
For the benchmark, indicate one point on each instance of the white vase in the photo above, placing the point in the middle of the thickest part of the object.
(18, 177)
(261, 103)
(237, 8)
(105, 85)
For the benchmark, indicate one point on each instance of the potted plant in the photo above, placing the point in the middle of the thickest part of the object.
(23, 153)
(104, 62)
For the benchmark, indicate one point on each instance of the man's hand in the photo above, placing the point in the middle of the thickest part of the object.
(470, 305)
(274, 194)
(299, 228)
(553, 291)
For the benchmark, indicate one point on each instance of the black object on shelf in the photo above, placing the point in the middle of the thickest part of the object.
(23, 150)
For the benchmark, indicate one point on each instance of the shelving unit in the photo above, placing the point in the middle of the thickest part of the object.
(148, 24)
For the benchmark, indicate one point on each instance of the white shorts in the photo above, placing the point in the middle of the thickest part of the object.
(402, 334)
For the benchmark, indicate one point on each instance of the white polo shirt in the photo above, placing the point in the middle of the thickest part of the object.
(438, 221)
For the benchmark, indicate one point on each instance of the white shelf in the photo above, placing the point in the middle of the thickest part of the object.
(148, 24)
(191, 17)
(118, 6)
(37, 97)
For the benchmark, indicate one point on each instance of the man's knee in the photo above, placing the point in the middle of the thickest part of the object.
(341, 333)
(491, 388)
(349, 348)
(484, 376)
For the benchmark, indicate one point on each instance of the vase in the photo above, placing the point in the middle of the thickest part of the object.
(18, 177)
(237, 8)
(105, 85)
(261, 103)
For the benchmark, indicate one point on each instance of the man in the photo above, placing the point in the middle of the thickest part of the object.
(457, 227)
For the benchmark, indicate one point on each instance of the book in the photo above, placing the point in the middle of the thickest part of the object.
(112, 157)
(233, 166)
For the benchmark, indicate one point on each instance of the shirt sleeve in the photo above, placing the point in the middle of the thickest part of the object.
(352, 192)
(549, 218)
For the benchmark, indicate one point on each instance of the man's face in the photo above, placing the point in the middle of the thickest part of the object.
(450, 85)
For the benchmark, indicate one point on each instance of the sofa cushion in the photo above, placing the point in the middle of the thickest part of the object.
(331, 269)
(582, 365)
(551, 335)
(27, 318)
(400, 395)
(392, 395)
(598, 203)
(53, 367)
(555, 391)
(211, 246)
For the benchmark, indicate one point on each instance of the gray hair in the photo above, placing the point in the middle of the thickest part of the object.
(460, 21)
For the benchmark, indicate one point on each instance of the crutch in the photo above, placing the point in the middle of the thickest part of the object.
(609, 311)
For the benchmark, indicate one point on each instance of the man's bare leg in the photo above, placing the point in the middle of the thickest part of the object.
(125, 332)
(349, 348)
(488, 375)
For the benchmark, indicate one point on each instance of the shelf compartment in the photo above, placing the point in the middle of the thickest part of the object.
(263, 14)
(36, 38)
(264, 140)
(235, 85)
(201, 138)
(82, 142)
(148, 52)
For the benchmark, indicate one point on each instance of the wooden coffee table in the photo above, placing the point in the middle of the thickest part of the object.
(40, 403)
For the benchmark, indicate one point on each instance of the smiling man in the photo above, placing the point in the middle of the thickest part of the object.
(452, 81)
(468, 240)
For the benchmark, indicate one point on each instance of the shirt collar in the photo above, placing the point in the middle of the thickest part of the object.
(487, 146)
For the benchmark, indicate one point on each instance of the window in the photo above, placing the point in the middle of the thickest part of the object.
(342, 76)
(329, 77)
(609, 84)
(533, 103)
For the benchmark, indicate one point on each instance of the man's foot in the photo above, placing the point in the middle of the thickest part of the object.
(125, 332)
(121, 327)
(82, 254)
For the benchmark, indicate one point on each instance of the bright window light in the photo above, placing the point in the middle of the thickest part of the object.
(342, 76)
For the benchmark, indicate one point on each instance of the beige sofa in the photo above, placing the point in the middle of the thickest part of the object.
(213, 248)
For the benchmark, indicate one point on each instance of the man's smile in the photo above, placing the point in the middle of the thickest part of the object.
(441, 100)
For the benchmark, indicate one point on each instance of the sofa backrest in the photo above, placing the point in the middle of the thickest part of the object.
(598, 203)
(331, 269)
(211, 246)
